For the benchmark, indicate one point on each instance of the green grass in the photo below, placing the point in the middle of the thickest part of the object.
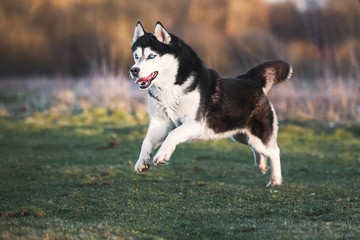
(56, 183)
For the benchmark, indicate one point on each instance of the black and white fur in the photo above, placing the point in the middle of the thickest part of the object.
(188, 101)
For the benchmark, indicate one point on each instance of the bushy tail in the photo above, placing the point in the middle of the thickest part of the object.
(269, 73)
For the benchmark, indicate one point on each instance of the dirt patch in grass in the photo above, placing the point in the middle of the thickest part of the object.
(24, 212)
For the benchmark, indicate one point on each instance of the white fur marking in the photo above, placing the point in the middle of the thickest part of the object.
(290, 73)
(139, 32)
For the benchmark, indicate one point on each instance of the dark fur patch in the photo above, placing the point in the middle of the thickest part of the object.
(242, 104)
(151, 94)
(232, 104)
(261, 121)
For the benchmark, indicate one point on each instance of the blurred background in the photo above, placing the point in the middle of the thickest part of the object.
(72, 55)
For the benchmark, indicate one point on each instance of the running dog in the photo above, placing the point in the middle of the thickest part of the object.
(190, 102)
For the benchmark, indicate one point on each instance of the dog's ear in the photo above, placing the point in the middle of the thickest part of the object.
(139, 31)
(161, 34)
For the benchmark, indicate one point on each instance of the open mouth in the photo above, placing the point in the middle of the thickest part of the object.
(145, 82)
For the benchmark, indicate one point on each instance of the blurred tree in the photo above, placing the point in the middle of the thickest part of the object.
(243, 16)
(72, 37)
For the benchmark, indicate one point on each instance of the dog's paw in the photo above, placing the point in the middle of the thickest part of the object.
(141, 166)
(163, 155)
(274, 182)
(161, 160)
(263, 168)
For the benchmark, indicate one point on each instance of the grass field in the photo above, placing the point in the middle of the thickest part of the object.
(71, 177)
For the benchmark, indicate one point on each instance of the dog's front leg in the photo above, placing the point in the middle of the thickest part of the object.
(187, 131)
(156, 134)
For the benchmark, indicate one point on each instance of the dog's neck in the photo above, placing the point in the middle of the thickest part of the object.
(163, 93)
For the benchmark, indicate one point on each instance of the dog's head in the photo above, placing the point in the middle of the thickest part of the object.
(153, 55)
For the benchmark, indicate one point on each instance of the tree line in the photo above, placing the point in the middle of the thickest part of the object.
(74, 37)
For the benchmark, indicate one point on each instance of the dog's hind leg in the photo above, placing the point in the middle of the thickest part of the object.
(259, 159)
(272, 151)
(262, 128)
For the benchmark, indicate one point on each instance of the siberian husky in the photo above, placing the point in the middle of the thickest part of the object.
(189, 102)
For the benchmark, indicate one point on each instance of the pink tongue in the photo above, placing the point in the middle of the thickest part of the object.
(145, 79)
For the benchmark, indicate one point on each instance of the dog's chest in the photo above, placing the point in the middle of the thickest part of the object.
(173, 105)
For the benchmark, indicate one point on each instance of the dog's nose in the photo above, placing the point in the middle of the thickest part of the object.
(135, 71)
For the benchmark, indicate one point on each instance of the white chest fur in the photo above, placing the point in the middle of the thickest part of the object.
(173, 104)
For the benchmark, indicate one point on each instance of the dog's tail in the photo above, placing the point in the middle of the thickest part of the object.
(269, 73)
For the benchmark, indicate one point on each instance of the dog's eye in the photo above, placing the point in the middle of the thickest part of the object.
(136, 56)
(151, 56)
